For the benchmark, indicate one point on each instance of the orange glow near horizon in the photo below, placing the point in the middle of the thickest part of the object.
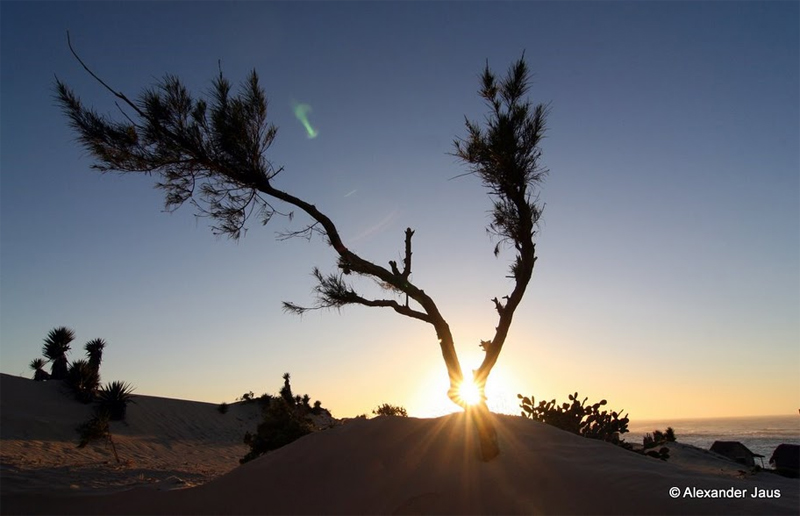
(430, 399)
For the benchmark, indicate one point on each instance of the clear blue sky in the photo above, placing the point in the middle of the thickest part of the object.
(668, 278)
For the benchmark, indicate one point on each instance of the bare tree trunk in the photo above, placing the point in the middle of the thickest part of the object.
(482, 418)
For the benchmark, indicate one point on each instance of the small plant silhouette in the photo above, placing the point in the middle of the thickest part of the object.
(39, 375)
(84, 380)
(286, 419)
(577, 417)
(55, 349)
(113, 399)
(390, 410)
(95, 429)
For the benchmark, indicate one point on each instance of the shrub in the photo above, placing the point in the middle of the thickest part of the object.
(281, 426)
(223, 408)
(286, 390)
(286, 419)
(56, 347)
(39, 375)
(84, 380)
(662, 453)
(577, 417)
(658, 438)
(114, 398)
(390, 410)
(95, 429)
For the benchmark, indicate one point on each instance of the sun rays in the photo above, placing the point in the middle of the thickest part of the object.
(469, 393)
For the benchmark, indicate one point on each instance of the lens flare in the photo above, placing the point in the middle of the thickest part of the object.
(469, 393)
(301, 112)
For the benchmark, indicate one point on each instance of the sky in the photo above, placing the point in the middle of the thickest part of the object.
(668, 272)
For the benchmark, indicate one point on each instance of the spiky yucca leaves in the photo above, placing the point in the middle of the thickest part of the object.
(56, 347)
(84, 380)
(94, 350)
(113, 399)
(37, 364)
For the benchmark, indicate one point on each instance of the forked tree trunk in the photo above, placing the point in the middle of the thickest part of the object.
(481, 417)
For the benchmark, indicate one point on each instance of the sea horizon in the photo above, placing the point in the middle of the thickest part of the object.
(760, 434)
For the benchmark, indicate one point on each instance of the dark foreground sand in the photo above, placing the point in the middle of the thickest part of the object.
(379, 466)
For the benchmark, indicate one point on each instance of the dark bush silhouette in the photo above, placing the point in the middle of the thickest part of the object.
(223, 408)
(577, 417)
(657, 438)
(281, 426)
(56, 346)
(113, 400)
(39, 375)
(84, 380)
(286, 390)
(94, 351)
(390, 410)
(286, 419)
(95, 429)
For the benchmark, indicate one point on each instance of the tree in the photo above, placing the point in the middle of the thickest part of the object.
(286, 390)
(37, 364)
(56, 347)
(211, 152)
(84, 380)
(94, 351)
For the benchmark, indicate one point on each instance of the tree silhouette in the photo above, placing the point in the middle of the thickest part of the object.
(94, 350)
(55, 349)
(211, 152)
(37, 364)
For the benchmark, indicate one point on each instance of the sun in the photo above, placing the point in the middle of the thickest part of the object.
(469, 393)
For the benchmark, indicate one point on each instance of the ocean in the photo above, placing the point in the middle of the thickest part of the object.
(761, 434)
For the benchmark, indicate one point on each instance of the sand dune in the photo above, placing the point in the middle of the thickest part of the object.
(161, 438)
(379, 466)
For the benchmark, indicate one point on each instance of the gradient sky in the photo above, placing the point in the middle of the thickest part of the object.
(668, 278)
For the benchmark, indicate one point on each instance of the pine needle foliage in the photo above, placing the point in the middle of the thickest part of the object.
(210, 151)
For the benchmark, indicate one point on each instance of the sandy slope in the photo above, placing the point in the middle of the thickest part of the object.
(388, 466)
(161, 438)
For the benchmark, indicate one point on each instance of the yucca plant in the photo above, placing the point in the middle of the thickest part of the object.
(37, 364)
(114, 398)
(84, 381)
(94, 350)
(56, 347)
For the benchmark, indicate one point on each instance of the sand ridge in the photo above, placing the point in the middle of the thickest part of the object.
(387, 466)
